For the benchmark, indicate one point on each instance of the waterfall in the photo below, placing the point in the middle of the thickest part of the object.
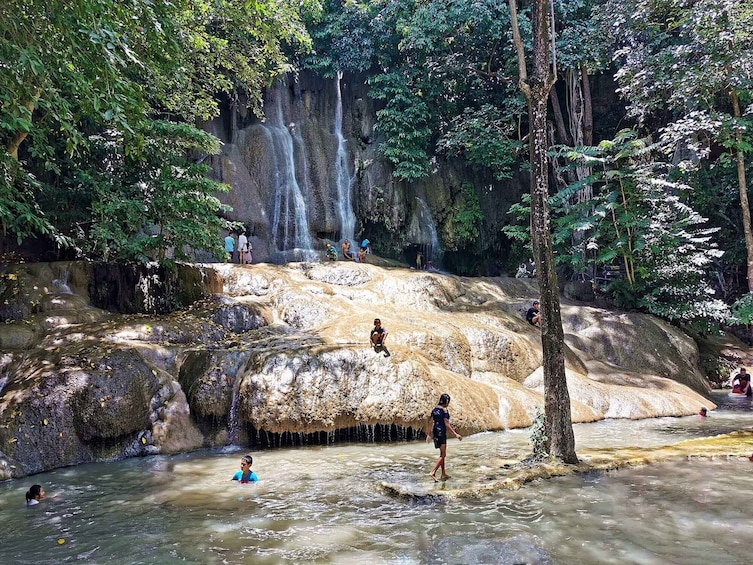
(426, 223)
(233, 425)
(343, 178)
(290, 226)
(61, 284)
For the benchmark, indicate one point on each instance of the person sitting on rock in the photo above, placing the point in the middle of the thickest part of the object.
(331, 252)
(345, 249)
(362, 255)
(378, 334)
(533, 316)
(378, 337)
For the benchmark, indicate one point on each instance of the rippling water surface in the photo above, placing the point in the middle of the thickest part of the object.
(324, 505)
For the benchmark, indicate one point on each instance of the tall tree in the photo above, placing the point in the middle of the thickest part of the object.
(558, 423)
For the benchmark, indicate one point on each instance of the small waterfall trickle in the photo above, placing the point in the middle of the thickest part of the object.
(61, 284)
(233, 423)
(432, 251)
(343, 177)
(290, 225)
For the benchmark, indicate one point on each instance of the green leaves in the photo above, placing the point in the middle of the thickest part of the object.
(151, 198)
(678, 54)
(467, 219)
(637, 213)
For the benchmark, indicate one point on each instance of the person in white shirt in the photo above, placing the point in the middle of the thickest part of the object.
(35, 494)
(242, 248)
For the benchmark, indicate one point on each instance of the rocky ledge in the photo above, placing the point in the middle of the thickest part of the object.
(281, 357)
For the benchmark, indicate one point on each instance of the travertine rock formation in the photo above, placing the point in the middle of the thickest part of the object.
(284, 350)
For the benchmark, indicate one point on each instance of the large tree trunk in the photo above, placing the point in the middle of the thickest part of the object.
(743, 186)
(557, 421)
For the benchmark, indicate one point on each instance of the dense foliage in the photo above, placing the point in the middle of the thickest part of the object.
(687, 66)
(97, 104)
(99, 100)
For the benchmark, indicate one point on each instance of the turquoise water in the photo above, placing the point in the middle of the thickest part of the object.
(324, 505)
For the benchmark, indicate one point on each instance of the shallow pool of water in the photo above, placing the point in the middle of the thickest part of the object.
(324, 505)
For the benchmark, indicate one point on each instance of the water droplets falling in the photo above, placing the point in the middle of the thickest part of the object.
(363, 433)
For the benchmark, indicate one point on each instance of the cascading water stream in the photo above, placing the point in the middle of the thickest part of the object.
(233, 422)
(426, 222)
(343, 178)
(61, 285)
(290, 225)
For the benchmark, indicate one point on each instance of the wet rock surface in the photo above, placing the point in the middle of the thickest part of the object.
(518, 473)
(285, 350)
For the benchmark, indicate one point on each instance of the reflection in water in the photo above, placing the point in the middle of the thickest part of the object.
(322, 504)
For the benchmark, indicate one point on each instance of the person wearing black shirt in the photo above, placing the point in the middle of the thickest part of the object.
(744, 379)
(378, 334)
(532, 316)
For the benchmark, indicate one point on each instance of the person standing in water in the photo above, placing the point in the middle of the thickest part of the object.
(34, 495)
(246, 475)
(439, 423)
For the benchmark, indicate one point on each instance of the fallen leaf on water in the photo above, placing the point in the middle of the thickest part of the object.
(45, 421)
(102, 404)
(61, 541)
(143, 440)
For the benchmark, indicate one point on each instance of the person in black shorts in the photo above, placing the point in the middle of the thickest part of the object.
(378, 334)
(378, 337)
(439, 423)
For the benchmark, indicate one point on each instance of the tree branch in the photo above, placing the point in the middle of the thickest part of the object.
(519, 49)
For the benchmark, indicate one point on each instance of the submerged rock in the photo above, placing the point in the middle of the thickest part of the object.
(283, 352)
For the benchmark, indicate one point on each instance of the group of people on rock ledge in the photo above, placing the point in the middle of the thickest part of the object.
(347, 252)
(244, 248)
